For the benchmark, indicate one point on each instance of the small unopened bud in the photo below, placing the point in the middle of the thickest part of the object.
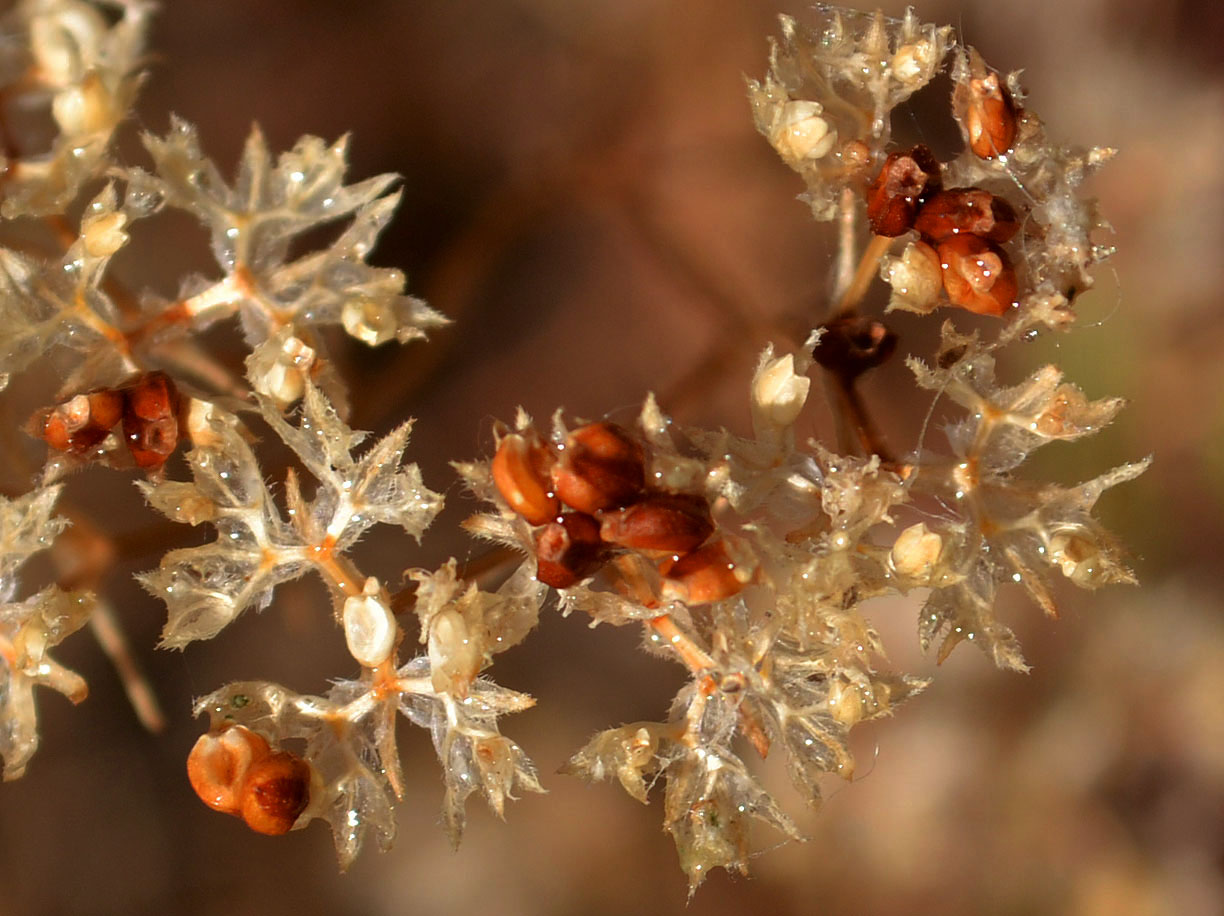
(63, 40)
(104, 235)
(87, 108)
(455, 655)
(846, 703)
(1078, 558)
(283, 377)
(371, 322)
(914, 62)
(369, 627)
(778, 393)
(916, 551)
(639, 747)
(916, 279)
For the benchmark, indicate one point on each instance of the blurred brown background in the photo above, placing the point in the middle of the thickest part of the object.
(585, 196)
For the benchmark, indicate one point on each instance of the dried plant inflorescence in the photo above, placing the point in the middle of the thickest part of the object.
(746, 559)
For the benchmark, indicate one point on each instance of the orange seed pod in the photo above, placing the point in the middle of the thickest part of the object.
(218, 765)
(521, 474)
(985, 109)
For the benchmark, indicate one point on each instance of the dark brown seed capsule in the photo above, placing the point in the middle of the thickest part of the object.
(568, 550)
(852, 344)
(905, 181)
(967, 211)
(150, 419)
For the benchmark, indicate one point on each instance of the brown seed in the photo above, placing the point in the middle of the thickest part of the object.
(985, 109)
(707, 574)
(670, 522)
(971, 211)
(905, 181)
(568, 550)
(276, 792)
(521, 473)
(150, 419)
(602, 466)
(977, 275)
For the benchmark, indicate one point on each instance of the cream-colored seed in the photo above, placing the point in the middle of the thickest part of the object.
(800, 133)
(916, 551)
(454, 655)
(916, 279)
(369, 626)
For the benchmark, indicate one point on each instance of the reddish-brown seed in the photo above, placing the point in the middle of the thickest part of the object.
(669, 522)
(150, 419)
(970, 211)
(521, 474)
(602, 466)
(977, 275)
(905, 181)
(989, 114)
(568, 550)
(276, 792)
(707, 574)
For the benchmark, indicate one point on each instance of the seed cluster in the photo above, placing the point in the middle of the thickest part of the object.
(148, 407)
(590, 504)
(962, 230)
